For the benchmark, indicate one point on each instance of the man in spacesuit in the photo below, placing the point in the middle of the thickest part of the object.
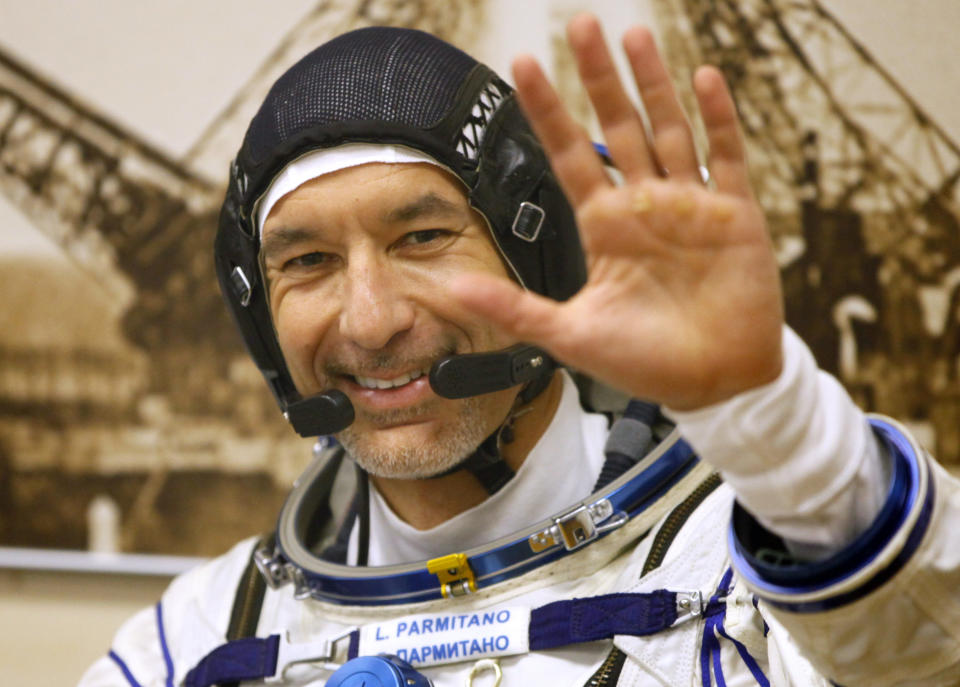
(409, 276)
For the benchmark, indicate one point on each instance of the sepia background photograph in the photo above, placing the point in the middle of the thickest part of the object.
(136, 436)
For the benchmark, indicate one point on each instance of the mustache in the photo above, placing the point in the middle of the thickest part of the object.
(353, 363)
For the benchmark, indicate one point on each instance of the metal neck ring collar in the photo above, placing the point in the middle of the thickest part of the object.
(291, 562)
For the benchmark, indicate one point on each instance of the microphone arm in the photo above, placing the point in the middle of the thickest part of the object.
(454, 377)
(473, 374)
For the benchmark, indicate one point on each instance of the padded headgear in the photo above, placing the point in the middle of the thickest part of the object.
(406, 87)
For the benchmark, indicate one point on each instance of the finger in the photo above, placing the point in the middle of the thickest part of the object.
(520, 314)
(572, 156)
(728, 157)
(622, 126)
(672, 139)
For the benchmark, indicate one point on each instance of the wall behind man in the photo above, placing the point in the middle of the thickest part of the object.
(55, 624)
(181, 77)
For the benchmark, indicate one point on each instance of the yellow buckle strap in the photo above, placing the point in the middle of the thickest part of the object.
(453, 571)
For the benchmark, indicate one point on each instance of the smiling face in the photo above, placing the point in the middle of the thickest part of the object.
(357, 262)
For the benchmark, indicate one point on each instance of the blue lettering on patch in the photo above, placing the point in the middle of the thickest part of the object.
(452, 651)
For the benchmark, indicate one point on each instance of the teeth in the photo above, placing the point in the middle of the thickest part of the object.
(371, 383)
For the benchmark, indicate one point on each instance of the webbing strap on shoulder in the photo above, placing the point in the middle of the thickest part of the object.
(245, 614)
(249, 598)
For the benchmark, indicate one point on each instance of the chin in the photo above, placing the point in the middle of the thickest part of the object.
(416, 450)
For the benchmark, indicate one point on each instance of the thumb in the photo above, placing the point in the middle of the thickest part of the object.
(520, 314)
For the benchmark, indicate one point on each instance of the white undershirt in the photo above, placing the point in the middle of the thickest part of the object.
(561, 469)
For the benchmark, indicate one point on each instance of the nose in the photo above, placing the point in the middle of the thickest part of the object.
(374, 307)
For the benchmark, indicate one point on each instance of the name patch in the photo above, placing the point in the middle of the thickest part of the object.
(436, 638)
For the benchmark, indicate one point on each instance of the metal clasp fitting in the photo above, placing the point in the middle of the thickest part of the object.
(241, 285)
(289, 653)
(486, 665)
(455, 575)
(528, 221)
(578, 526)
(272, 567)
(689, 605)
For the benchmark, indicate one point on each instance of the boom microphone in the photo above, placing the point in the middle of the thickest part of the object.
(473, 374)
(457, 376)
(321, 415)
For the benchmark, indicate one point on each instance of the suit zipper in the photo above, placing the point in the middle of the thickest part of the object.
(675, 521)
(609, 671)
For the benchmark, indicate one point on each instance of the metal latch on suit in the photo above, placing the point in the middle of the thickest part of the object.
(578, 526)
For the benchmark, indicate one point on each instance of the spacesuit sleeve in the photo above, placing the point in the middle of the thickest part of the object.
(798, 453)
(137, 656)
(157, 646)
(884, 609)
(877, 604)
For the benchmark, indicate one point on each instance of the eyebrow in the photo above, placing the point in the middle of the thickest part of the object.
(281, 238)
(428, 205)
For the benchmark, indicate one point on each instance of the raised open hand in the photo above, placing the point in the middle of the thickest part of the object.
(683, 302)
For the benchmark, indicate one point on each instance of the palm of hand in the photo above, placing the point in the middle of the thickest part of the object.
(682, 303)
(682, 298)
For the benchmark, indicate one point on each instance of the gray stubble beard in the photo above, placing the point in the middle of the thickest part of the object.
(459, 441)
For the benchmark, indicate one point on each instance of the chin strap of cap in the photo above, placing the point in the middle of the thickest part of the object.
(487, 463)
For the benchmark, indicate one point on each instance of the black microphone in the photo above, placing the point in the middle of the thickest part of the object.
(473, 374)
(457, 376)
(321, 415)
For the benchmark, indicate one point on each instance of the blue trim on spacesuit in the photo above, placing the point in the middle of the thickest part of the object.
(710, 652)
(710, 645)
(123, 668)
(745, 656)
(168, 661)
(904, 502)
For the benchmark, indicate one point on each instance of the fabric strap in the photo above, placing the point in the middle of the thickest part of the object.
(553, 625)
(710, 650)
(601, 617)
(250, 658)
